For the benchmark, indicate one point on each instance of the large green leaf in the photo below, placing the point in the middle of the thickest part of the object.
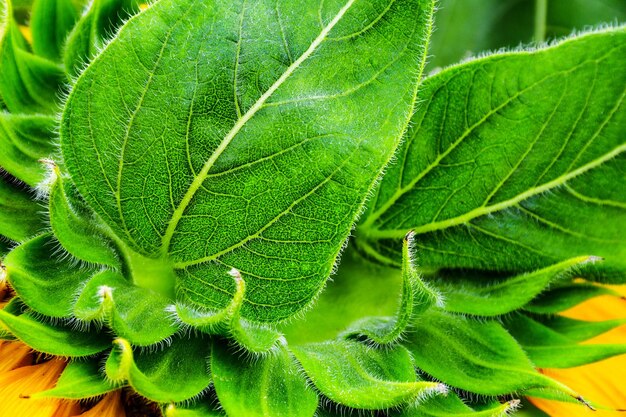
(269, 386)
(353, 374)
(257, 131)
(513, 162)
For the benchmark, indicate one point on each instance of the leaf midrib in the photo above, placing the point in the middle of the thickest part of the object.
(369, 230)
(488, 209)
(202, 175)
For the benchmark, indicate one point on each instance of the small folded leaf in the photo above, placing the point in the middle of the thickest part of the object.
(271, 385)
(20, 216)
(496, 297)
(477, 356)
(45, 280)
(137, 314)
(355, 375)
(58, 340)
(451, 406)
(79, 380)
(253, 337)
(567, 296)
(176, 373)
(416, 298)
(74, 226)
(578, 330)
(99, 22)
(29, 83)
(546, 348)
(50, 23)
(24, 140)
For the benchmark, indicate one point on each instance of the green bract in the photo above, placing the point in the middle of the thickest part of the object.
(169, 224)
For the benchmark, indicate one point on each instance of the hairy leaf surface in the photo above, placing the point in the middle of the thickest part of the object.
(353, 374)
(514, 162)
(214, 135)
(20, 216)
(261, 387)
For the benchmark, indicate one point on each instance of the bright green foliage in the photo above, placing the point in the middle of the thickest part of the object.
(53, 339)
(353, 374)
(450, 405)
(60, 15)
(472, 355)
(483, 176)
(20, 216)
(232, 168)
(29, 83)
(80, 379)
(175, 374)
(25, 139)
(72, 224)
(480, 297)
(269, 386)
(417, 297)
(211, 158)
(98, 23)
(547, 348)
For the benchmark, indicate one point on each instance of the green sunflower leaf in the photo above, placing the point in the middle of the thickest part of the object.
(20, 215)
(176, 373)
(416, 298)
(46, 281)
(578, 330)
(25, 139)
(546, 348)
(271, 385)
(29, 83)
(261, 98)
(451, 406)
(58, 340)
(513, 162)
(492, 297)
(50, 23)
(74, 226)
(80, 379)
(99, 22)
(355, 375)
(567, 296)
(136, 314)
(477, 356)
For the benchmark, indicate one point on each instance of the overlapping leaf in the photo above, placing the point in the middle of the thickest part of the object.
(263, 145)
(513, 162)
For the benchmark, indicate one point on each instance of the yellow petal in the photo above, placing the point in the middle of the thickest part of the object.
(17, 385)
(110, 406)
(14, 355)
(601, 382)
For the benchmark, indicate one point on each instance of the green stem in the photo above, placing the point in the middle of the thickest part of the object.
(541, 15)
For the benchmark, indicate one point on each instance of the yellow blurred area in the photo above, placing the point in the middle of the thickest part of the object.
(602, 382)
